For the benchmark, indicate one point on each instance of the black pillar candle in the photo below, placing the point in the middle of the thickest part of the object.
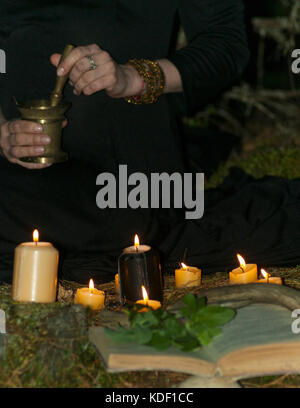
(140, 266)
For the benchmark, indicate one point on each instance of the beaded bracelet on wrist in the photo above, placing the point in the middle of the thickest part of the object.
(153, 78)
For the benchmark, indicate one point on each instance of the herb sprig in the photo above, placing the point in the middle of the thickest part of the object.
(192, 327)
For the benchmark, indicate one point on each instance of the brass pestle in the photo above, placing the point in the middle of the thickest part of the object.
(56, 94)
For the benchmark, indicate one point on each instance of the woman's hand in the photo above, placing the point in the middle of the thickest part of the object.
(22, 138)
(117, 80)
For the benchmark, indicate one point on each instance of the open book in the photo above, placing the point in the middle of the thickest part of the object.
(258, 341)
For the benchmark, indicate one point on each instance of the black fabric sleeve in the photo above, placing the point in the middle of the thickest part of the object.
(217, 50)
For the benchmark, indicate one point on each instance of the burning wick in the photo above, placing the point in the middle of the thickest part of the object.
(91, 286)
(184, 266)
(35, 236)
(136, 242)
(265, 274)
(145, 295)
(242, 262)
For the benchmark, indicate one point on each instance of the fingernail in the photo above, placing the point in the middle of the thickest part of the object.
(40, 149)
(38, 128)
(60, 71)
(71, 83)
(75, 92)
(46, 139)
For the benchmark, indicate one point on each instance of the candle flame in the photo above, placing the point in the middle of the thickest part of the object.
(91, 286)
(35, 236)
(265, 274)
(145, 294)
(241, 261)
(136, 241)
(184, 265)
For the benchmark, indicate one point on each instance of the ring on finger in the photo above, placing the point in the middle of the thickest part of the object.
(93, 65)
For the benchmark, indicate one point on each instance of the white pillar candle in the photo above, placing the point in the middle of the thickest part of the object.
(35, 272)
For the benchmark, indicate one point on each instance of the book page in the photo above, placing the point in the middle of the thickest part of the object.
(257, 324)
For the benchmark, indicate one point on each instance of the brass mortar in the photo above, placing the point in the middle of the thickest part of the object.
(51, 118)
(50, 114)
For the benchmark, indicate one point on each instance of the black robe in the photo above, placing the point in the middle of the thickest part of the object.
(103, 133)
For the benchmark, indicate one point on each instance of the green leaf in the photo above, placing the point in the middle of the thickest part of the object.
(201, 302)
(195, 327)
(121, 335)
(190, 301)
(215, 315)
(142, 335)
(172, 326)
(147, 319)
(187, 344)
(204, 337)
(214, 331)
(160, 342)
(192, 304)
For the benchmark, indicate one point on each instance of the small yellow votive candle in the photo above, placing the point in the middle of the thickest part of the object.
(187, 276)
(150, 304)
(246, 273)
(267, 278)
(35, 271)
(90, 297)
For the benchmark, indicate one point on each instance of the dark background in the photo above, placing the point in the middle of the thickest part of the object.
(276, 65)
(201, 141)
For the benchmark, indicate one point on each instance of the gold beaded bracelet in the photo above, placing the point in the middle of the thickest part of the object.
(154, 80)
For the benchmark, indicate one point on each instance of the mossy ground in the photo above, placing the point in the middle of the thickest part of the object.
(77, 363)
(79, 366)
